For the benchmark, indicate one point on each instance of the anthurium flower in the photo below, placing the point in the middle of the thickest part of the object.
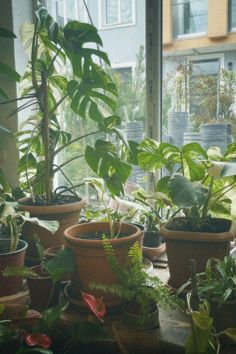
(40, 339)
(96, 305)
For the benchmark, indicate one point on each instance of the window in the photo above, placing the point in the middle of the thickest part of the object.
(117, 13)
(232, 15)
(67, 10)
(189, 17)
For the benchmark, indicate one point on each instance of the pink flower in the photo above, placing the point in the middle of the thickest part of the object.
(40, 339)
(97, 306)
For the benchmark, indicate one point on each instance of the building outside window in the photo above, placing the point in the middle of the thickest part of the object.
(232, 15)
(114, 13)
(189, 17)
(67, 10)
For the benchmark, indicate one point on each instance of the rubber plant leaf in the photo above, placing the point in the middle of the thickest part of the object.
(60, 265)
(5, 33)
(50, 225)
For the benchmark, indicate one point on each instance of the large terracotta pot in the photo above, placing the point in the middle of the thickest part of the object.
(181, 246)
(11, 285)
(91, 262)
(67, 215)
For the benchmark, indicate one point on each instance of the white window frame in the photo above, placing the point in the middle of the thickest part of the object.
(130, 64)
(101, 20)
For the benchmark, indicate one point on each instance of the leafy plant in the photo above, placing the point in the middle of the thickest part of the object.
(218, 282)
(6, 70)
(12, 222)
(90, 93)
(135, 284)
(198, 184)
(203, 338)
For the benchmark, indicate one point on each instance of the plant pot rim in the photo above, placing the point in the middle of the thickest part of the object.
(24, 246)
(73, 239)
(40, 277)
(195, 235)
(52, 209)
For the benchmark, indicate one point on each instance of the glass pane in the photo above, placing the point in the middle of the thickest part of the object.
(60, 12)
(199, 78)
(126, 11)
(111, 11)
(70, 8)
(189, 16)
(232, 15)
(127, 59)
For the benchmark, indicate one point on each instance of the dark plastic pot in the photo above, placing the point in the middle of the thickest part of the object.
(43, 293)
(11, 285)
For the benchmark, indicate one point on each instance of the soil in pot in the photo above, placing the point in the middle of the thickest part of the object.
(212, 225)
(11, 285)
(43, 292)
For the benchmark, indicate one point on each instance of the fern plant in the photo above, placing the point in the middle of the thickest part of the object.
(135, 285)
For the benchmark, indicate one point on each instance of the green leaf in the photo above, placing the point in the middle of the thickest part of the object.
(2, 308)
(202, 320)
(185, 193)
(7, 71)
(50, 316)
(4, 185)
(231, 333)
(60, 265)
(3, 93)
(229, 169)
(26, 162)
(5, 33)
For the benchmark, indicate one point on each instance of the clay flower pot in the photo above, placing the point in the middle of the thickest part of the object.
(91, 262)
(66, 215)
(11, 285)
(181, 246)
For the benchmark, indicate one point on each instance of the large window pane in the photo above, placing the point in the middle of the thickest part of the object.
(232, 15)
(189, 16)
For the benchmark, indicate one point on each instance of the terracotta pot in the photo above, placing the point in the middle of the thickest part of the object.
(91, 262)
(40, 290)
(153, 253)
(67, 215)
(182, 246)
(11, 285)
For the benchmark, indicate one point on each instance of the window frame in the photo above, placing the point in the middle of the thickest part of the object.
(65, 17)
(101, 18)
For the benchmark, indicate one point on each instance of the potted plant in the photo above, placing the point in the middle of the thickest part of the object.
(142, 292)
(89, 92)
(198, 192)
(43, 280)
(217, 285)
(204, 337)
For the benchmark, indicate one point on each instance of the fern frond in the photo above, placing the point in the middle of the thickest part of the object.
(114, 289)
(22, 272)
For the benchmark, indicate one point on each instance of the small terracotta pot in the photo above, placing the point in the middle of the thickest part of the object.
(90, 259)
(43, 293)
(66, 215)
(11, 285)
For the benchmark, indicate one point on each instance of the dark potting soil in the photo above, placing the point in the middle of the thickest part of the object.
(99, 235)
(58, 200)
(213, 225)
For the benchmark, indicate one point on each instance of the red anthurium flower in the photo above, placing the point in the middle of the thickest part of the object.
(40, 339)
(97, 306)
(44, 341)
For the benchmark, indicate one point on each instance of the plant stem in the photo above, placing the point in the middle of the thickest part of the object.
(46, 138)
